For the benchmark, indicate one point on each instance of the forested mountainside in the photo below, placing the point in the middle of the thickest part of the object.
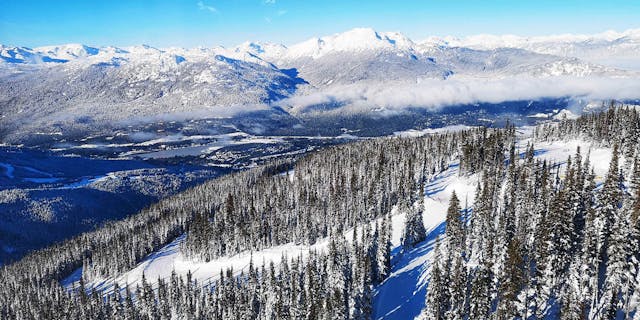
(541, 240)
(330, 191)
(544, 240)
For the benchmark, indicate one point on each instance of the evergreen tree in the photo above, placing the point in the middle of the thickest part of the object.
(454, 231)
(437, 301)
(383, 254)
(414, 231)
(480, 296)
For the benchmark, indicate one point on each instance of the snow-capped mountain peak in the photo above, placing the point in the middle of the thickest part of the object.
(265, 50)
(24, 55)
(68, 51)
(611, 48)
(355, 40)
(143, 49)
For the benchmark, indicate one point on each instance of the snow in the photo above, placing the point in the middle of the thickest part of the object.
(169, 259)
(162, 263)
(289, 174)
(611, 48)
(199, 144)
(559, 115)
(558, 151)
(221, 141)
(68, 51)
(622, 45)
(540, 115)
(514, 41)
(8, 169)
(402, 295)
(358, 39)
(420, 133)
(565, 114)
(360, 70)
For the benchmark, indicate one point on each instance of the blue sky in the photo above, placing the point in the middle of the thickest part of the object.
(191, 23)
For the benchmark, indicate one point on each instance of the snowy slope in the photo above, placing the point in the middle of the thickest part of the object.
(402, 295)
(169, 259)
(68, 52)
(360, 43)
(116, 84)
(367, 55)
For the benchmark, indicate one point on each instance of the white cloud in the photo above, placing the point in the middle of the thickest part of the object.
(281, 12)
(434, 94)
(269, 1)
(203, 6)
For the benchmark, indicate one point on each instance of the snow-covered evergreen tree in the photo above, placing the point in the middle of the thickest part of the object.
(414, 231)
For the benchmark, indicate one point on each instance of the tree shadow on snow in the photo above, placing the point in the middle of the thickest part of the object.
(402, 295)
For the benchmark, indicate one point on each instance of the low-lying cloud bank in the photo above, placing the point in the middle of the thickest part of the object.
(434, 94)
(394, 97)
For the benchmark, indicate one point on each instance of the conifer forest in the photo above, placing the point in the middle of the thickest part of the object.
(540, 239)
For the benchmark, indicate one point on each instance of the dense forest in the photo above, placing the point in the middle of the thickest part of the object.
(545, 241)
(542, 240)
(321, 194)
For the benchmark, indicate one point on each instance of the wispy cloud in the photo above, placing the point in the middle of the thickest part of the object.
(274, 16)
(269, 1)
(205, 7)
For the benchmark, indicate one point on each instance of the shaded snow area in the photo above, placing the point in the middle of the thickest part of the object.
(402, 295)
(8, 170)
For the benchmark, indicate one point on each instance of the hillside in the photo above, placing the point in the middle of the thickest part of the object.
(389, 228)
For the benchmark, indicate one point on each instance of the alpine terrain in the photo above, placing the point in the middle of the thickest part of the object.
(358, 175)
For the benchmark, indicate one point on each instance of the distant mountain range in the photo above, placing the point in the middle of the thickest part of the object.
(595, 48)
(360, 70)
(617, 49)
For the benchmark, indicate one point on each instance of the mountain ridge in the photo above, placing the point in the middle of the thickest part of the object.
(356, 39)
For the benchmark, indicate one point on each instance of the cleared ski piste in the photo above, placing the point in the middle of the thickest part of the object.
(402, 295)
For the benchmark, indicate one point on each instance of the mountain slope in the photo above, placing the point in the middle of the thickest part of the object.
(115, 85)
(78, 90)
(171, 255)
